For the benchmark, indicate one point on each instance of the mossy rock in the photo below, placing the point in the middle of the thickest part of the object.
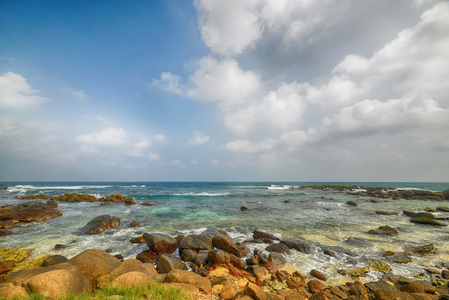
(426, 249)
(386, 213)
(33, 197)
(427, 221)
(16, 255)
(355, 272)
(75, 197)
(30, 263)
(117, 198)
(379, 265)
(428, 209)
(422, 276)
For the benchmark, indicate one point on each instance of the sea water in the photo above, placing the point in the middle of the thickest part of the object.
(286, 210)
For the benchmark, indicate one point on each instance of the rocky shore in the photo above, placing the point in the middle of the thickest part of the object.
(210, 265)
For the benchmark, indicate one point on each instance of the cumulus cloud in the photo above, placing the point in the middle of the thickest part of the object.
(198, 138)
(169, 82)
(111, 136)
(160, 137)
(15, 92)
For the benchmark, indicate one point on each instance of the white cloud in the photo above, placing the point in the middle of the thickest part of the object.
(112, 136)
(16, 92)
(215, 162)
(198, 138)
(160, 137)
(169, 82)
(222, 36)
(177, 163)
(76, 93)
(153, 156)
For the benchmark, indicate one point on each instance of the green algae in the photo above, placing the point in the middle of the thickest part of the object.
(16, 255)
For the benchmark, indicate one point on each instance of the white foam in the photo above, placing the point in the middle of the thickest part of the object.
(203, 194)
(24, 188)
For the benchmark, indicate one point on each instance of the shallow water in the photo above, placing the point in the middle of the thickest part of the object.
(321, 217)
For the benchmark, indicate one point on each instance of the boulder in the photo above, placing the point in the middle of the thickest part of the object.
(182, 276)
(389, 295)
(10, 291)
(137, 240)
(263, 236)
(315, 286)
(38, 211)
(53, 260)
(167, 263)
(228, 292)
(146, 256)
(379, 265)
(357, 288)
(380, 285)
(254, 291)
(100, 224)
(279, 248)
(227, 244)
(238, 262)
(6, 266)
(384, 230)
(94, 263)
(134, 224)
(351, 203)
(444, 208)
(219, 257)
(202, 258)
(426, 249)
(427, 221)
(277, 259)
(386, 213)
(300, 246)
(4, 232)
(133, 278)
(187, 288)
(243, 208)
(160, 243)
(318, 274)
(127, 266)
(188, 255)
(196, 242)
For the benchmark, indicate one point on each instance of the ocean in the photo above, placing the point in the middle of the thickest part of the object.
(280, 208)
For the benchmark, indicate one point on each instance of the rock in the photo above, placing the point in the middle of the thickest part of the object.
(146, 256)
(243, 208)
(182, 276)
(219, 257)
(167, 263)
(128, 265)
(37, 211)
(16, 255)
(202, 258)
(75, 197)
(300, 246)
(427, 221)
(318, 274)
(443, 208)
(137, 240)
(117, 198)
(279, 248)
(412, 288)
(428, 288)
(196, 242)
(315, 286)
(384, 230)
(351, 203)
(237, 262)
(59, 246)
(263, 236)
(56, 283)
(354, 272)
(294, 295)
(53, 260)
(228, 292)
(188, 255)
(187, 288)
(94, 263)
(445, 274)
(389, 295)
(6, 266)
(380, 285)
(227, 244)
(5, 232)
(100, 224)
(426, 249)
(9, 291)
(133, 278)
(386, 213)
(134, 224)
(160, 243)
(254, 291)
(147, 204)
(277, 259)
(357, 288)
(379, 265)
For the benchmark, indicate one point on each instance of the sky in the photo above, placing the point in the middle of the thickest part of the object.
(224, 90)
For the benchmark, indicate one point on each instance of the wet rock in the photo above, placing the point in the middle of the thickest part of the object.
(384, 230)
(137, 240)
(427, 221)
(357, 288)
(378, 265)
(389, 295)
(59, 246)
(227, 244)
(99, 224)
(34, 211)
(445, 274)
(351, 203)
(188, 255)
(53, 260)
(443, 208)
(399, 258)
(160, 243)
(219, 257)
(134, 224)
(146, 256)
(300, 246)
(426, 249)
(167, 263)
(238, 262)
(263, 236)
(380, 285)
(354, 272)
(6, 266)
(147, 204)
(315, 286)
(5, 232)
(412, 288)
(386, 213)
(202, 258)
(196, 242)
(278, 248)
(318, 274)
(357, 242)
(277, 259)
(243, 208)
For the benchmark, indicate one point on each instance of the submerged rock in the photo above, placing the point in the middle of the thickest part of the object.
(426, 249)
(301, 246)
(100, 224)
(384, 230)
(427, 221)
(379, 265)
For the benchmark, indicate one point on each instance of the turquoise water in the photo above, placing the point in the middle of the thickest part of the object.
(320, 217)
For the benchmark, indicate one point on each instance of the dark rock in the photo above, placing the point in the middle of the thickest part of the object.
(315, 286)
(412, 288)
(6, 266)
(357, 288)
(167, 263)
(279, 248)
(134, 224)
(384, 230)
(59, 246)
(237, 262)
(351, 203)
(227, 244)
(137, 240)
(300, 246)
(219, 257)
(426, 249)
(428, 221)
(188, 255)
(277, 259)
(5, 232)
(100, 224)
(147, 204)
(202, 258)
(318, 274)
(146, 256)
(357, 242)
(196, 242)
(380, 285)
(263, 236)
(445, 274)
(389, 295)
(53, 260)
(386, 213)
(443, 208)
(243, 208)
(160, 243)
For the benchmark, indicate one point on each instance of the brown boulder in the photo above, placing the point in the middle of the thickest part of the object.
(238, 262)
(146, 256)
(127, 266)
(6, 266)
(10, 291)
(94, 263)
(160, 243)
(53, 260)
(384, 230)
(182, 276)
(187, 288)
(263, 236)
(202, 258)
(227, 244)
(219, 257)
(254, 291)
(278, 248)
(315, 286)
(228, 292)
(412, 288)
(196, 242)
(133, 278)
(56, 283)
(100, 224)
(167, 263)
(318, 274)
(389, 295)
(188, 255)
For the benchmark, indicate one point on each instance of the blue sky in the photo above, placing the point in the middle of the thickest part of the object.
(224, 90)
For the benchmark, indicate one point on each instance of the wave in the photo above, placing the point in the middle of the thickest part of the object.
(24, 188)
(280, 187)
(202, 194)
